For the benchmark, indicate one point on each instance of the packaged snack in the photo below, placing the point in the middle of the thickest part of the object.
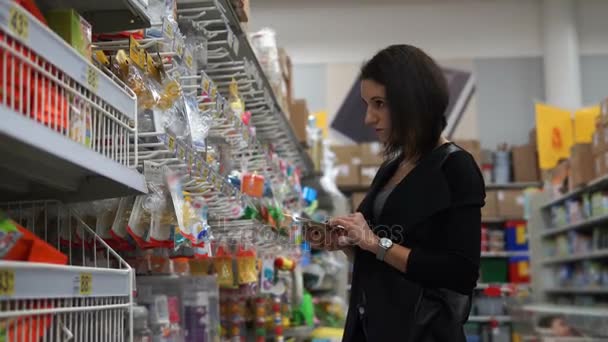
(222, 263)
(182, 234)
(199, 124)
(76, 31)
(246, 265)
(118, 231)
(252, 184)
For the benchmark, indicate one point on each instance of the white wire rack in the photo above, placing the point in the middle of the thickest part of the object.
(231, 57)
(89, 299)
(48, 92)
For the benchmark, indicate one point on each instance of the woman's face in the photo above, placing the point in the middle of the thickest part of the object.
(377, 115)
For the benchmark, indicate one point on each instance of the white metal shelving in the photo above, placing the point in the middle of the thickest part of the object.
(599, 254)
(587, 223)
(547, 308)
(505, 254)
(45, 82)
(90, 295)
(488, 319)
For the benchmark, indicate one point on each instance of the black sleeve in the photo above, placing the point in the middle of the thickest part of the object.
(453, 262)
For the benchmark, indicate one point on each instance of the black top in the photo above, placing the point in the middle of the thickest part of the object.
(436, 212)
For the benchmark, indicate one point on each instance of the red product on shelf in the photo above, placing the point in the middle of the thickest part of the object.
(484, 239)
(31, 248)
(519, 270)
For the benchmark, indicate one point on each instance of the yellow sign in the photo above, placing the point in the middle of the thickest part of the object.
(136, 53)
(321, 119)
(86, 284)
(584, 124)
(554, 135)
(171, 144)
(7, 282)
(18, 23)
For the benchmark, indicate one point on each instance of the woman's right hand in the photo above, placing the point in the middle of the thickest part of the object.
(328, 240)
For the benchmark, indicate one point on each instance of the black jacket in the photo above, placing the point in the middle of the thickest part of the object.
(436, 212)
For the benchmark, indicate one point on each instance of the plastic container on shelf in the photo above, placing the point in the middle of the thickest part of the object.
(490, 306)
(519, 269)
(494, 270)
(516, 234)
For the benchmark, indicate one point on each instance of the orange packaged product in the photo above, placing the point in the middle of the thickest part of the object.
(29, 247)
(252, 184)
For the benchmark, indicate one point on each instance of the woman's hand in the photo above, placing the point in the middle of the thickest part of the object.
(357, 231)
(328, 240)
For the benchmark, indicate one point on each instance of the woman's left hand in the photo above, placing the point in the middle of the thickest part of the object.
(357, 230)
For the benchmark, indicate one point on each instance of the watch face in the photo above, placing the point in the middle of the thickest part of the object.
(386, 243)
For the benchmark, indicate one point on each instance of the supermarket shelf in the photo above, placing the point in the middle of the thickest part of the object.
(601, 254)
(61, 281)
(299, 332)
(516, 185)
(497, 220)
(55, 50)
(107, 15)
(596, 184)
(347, 189)
(589, 223)
(488, 319)
(505, 287)
(567, 310)
(580, 290)
(504, 254)
(43, 164)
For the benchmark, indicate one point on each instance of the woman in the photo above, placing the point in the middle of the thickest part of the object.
(415, 237)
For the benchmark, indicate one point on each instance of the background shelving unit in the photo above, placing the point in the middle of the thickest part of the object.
(565, 253)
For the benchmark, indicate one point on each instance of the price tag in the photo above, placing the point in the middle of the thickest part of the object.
(136, 53)
(86, 284)
(205, 172)
(168, 29)
(199, 166)
(213, 93)
(171, 144)
(205, 84)
(181, 153)
(212, 178)
(92, 78)
(18, 23)
(7, 282)
(179, 46)
(188, 58)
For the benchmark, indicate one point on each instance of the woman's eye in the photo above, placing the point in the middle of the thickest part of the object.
(379, 104)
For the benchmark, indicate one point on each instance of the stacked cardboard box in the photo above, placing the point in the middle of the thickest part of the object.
(525, 163)
(599, 149)
(298, 116)
(371, 159)
(510, 204)
(348, 161)
(582, 168)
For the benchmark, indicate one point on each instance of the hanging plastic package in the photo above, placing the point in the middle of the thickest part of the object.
(223, 265)
(162, 217)
(182, 235)
(118, 231)
(199, 123)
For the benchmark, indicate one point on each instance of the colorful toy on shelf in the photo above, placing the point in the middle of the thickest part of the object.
(252, 184)
(278, 319)
(260, 319)
(222, 263)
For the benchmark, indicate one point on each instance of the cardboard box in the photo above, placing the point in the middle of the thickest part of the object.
(367, 174)
(525, 163)
(70, 26)
(490, 209)
(473, 147)
(347, 163)
(532, 138)
(356, 199)
(597, 142)
(582, 168)
(510, 204)
(600, 164)
(298, 116)
(242, 9)
(371, 153)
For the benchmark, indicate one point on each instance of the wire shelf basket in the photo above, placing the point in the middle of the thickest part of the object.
(45, 80)
(85, 300)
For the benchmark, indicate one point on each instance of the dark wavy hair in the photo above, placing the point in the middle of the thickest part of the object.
(417, 97)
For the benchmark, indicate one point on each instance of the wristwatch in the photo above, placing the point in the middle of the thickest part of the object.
(384, 244)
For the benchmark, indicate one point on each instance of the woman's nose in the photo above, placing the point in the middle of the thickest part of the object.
(370, 119)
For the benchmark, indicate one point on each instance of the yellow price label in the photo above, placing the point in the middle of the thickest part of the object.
(18, 23)
(213, 178)
(213, 93)
(86, 284)
(181, 153)
(171, 144)
(205, 172)
(136, 53)
(7, 282)
(92, 78)
(206, 85)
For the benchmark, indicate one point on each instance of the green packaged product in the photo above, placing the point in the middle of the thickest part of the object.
(70, 26)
